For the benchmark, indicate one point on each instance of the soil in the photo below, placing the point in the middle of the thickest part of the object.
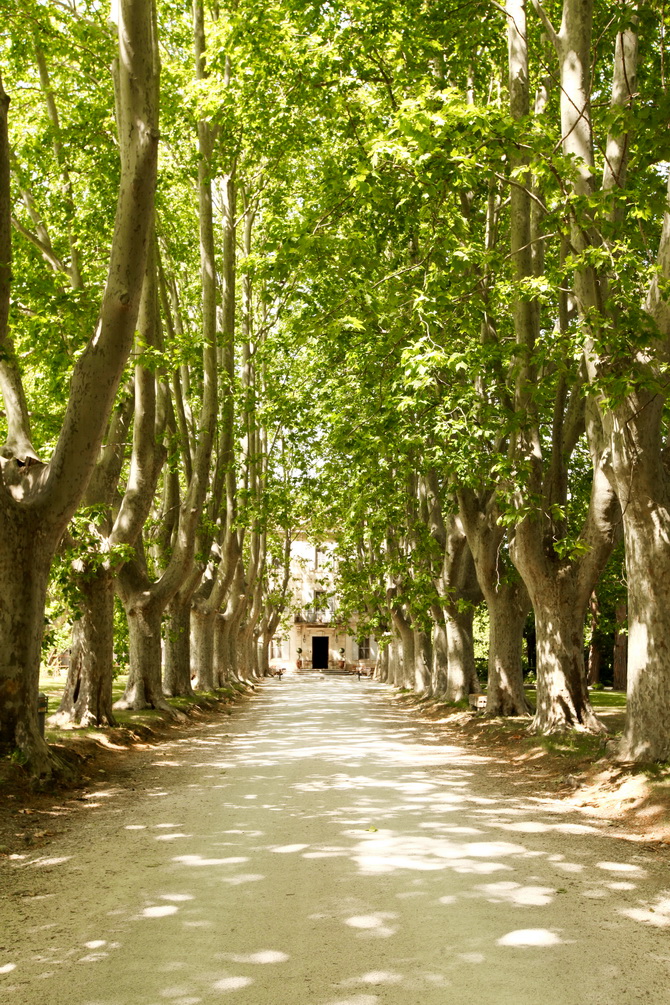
(330, 843)
(575, 768)
(634, 800)
(31, 816)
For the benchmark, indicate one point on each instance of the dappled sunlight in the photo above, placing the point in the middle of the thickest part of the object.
(373, 925)
(198, 860)
(525, 938)
(621, 867)
(387, 852)
(657, 914)
(160, 911)
(261, 957)
(289, 849)
(320, 849)
(516, 894)
(376, 977)
(232, 983)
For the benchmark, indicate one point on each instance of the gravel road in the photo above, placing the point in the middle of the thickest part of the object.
(320, 847)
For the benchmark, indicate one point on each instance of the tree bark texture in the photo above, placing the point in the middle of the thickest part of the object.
(382, 668)
(225, 655)
(203, 625)
(562, 696)
(24, 573)
(406, 651)
(505, 693)
(87, 698)
(620, 656)
(646, 528)
(507, 602)
(144, 688)
(462, 671)
(34, 511)
(423, 662)
(177, 650)
(440, 669)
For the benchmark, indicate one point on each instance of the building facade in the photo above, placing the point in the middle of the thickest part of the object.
(313, 639)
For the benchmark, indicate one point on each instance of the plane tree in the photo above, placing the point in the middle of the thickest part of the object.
(40, 496)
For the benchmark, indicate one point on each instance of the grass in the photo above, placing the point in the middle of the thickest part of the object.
(53, 686)
(608, 699)
(571, 745)
(599, 699)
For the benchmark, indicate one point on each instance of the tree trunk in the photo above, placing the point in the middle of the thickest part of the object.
(594, 657)
(226, 650)
(440, 673)
(531, 644)
(246, 647)
(594, 664)
(507, 618)
(461, 670)
(24, 571)
(177, 669)
(203, 626)
(405, 671)
(620, 647)
(423, 662)
(394, 667)
(382, 668)
(562, 695)
(647, 731)
(144, 688)
(507, 602)
(264, 643)
(49, 495)
(87, 698)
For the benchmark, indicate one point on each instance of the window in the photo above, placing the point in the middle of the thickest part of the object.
(277, 649)
(364, 648)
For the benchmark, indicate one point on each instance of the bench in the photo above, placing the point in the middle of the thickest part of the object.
(477, 701)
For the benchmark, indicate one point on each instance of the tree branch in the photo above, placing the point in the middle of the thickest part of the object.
(554, 37)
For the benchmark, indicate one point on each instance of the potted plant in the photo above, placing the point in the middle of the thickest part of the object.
(298, 662)
(342, 660)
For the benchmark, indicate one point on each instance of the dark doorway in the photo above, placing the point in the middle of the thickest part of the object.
(319, 652)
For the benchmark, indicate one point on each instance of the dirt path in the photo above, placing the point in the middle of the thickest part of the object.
(319, 848)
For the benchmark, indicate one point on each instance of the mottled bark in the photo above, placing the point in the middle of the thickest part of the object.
(507, 603)
(462, 671)
(562, 696)
(405, 669)
(505, 693)
(423, 662)
(620, 655)
(87, 698)
(560, 592)
(440, 669)
(382, 668)
(36, 505)
(177, 650)
(203, 626)
(144, 688)
(223, 658)
(23, 582)
(394, 677)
